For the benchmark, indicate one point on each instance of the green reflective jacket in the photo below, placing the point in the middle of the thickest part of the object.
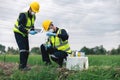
(59, 44)
(29, 24)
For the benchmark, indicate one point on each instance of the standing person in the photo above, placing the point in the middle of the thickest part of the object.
(24, 26)
(57, 44)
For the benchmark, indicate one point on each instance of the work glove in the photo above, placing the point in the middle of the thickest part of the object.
(32, 32)
(50, 34)
(48, 46)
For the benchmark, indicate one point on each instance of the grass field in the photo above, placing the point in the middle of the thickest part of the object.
(101, 67)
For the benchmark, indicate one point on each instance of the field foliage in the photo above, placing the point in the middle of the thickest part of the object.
(101, 67)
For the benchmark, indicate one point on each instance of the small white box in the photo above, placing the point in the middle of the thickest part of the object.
(77, 63)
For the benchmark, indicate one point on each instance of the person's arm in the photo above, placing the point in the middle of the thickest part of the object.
(64, 35)
(22, 23)
(33, 28)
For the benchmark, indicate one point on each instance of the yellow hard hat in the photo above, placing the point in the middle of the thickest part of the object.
(35, 6)
(46, 24)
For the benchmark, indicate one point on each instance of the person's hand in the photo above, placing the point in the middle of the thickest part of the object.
(48, 46)
(50, 34)
(32, 32)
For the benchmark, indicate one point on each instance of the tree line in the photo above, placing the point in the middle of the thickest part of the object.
(11, 50)
(98, 50)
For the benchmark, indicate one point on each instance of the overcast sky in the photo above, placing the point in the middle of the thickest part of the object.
(89, 22)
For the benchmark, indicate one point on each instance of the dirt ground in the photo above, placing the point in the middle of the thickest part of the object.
(7, 68)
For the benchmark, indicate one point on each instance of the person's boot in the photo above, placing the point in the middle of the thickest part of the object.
(26, 68)
(23, 61)
(26, 57)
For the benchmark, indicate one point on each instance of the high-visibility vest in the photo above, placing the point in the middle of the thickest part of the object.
(29, 24)
(59, 44)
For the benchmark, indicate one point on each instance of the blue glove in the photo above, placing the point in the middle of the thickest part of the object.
(50, 34)
(48, 45)
(33, 32)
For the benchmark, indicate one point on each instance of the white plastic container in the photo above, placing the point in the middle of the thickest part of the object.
(77, 63)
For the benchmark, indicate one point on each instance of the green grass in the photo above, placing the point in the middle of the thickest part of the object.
(104, 60)
(101, 67)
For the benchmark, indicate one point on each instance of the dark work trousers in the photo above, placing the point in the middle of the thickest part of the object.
(23, 44)
(58, 57)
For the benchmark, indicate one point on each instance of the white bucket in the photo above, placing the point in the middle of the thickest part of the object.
(77, 63)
